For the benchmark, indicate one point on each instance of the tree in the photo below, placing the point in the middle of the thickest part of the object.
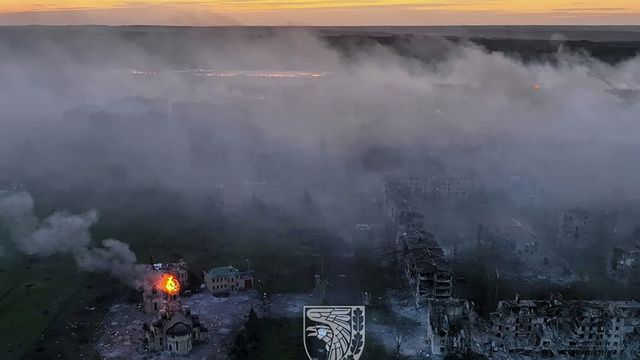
(253, 327)
(399, 340)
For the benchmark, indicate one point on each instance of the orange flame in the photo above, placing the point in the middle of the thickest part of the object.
(169, 284)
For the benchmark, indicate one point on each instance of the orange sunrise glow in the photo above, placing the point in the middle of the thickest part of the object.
(311, 12)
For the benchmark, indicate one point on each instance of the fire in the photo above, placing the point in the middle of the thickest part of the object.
(169, 284)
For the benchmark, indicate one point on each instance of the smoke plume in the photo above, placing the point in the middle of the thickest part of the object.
(63, 233)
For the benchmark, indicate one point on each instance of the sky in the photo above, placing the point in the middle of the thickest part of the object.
(320, 12)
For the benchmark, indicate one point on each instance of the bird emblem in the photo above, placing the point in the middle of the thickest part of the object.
(340, 328)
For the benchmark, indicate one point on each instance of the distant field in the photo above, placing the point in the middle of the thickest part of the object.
(32, 292)
(283, 261)
(50, 309)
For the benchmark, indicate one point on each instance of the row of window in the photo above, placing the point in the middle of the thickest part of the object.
(223, 286)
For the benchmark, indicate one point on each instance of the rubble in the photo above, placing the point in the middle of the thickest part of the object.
(123, 336)
(553, 327)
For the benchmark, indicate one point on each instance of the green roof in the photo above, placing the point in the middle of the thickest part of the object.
(223, 271)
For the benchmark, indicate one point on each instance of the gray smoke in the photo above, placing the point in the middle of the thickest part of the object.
(64, 233)
(98, 111)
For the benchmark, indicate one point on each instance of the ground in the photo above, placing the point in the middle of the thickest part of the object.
(33, 292)
(222, 316)
(399, 321)
(290, 305)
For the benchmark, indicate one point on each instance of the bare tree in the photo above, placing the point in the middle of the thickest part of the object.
(399, 338)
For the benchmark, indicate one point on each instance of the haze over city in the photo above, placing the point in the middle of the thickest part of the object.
(323, 180)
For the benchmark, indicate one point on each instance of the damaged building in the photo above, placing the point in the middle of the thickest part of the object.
(154, 299)
(175, 330)
(552, 328)
(428, 272)
(623, 262)
(455, 186)
(422, 259)
(577, 228)
(450, 327)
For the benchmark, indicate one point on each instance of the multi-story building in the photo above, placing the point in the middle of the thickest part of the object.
(426, 268)
(450, 324)
(608, 329)
(447, 186)
(227, 279)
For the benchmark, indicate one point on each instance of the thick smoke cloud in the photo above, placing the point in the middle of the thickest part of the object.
(63, 233)
(284, 111)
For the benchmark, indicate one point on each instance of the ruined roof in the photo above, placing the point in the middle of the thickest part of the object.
(179, 329)
(169, 266)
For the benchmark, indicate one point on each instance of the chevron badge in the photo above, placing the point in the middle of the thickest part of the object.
(334, 332)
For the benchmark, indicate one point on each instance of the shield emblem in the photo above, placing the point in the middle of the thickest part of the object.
(334, 332)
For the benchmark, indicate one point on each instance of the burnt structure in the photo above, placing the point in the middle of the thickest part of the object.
(154, 299)
(553, 328)
(421, 258)
(175, 330)
(578, 228)
(428, 272)
(456, 185)
(450, 327)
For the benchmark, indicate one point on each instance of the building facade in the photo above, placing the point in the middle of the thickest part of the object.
(591, 329)
(227, 279)
(428, 273)
(175, 330)
(154, 299)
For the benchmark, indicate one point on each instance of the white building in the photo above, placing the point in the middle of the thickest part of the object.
(227, 279)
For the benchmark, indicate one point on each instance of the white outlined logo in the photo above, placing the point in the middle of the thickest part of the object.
(334, 332)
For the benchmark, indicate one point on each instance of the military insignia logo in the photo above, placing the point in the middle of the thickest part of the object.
(334, 332)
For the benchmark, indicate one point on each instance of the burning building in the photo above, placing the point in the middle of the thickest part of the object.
(227, 279)
(176, 329)
(179, 269)
(154, 299)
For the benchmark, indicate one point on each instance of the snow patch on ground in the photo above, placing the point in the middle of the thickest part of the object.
(224, 317)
